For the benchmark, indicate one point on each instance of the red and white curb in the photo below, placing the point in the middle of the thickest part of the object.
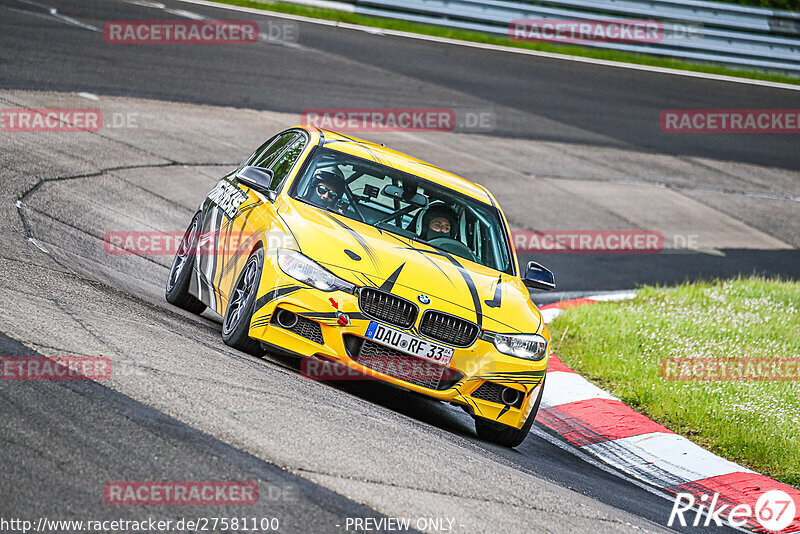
(598, 423)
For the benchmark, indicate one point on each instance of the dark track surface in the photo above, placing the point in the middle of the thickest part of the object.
(335, 67)
(533, 98)
(85, 434)
(75, 427)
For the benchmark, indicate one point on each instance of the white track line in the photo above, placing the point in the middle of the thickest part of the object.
(563, 388)
(671, 453)
(498, 48)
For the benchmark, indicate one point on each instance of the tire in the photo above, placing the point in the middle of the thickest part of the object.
(180, 274)
(505, 435)
(236, 324)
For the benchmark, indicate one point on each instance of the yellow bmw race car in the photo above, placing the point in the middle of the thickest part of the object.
(358, 257)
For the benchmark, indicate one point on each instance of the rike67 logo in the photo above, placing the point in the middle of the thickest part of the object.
(774, 510)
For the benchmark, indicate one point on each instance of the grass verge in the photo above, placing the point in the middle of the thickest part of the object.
(619, 345)
(463, 35)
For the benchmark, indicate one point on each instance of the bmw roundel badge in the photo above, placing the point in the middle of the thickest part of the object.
(424, 299)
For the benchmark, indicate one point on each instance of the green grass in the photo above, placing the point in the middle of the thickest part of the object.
(440, 31)
(619, 345)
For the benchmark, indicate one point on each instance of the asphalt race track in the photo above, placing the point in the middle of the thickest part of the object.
(581, 142)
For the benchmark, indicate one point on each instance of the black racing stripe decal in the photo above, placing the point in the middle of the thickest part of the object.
(472, 403)
(217, 229)
(364, 279)
(275, 293)
(224, 265)
(389, 283)
(464, 274)
(515, 374)
(532, 379)
(532, 383)
(261, 321)
(358, 237)
(246, 218)
(504, 410)
(242, 247)
(409, 246)
(424, 254)
(245, 248)
(473, 291)
(467, 278)
(504, 378)
(498, 295)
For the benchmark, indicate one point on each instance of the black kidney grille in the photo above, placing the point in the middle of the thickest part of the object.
(448, 329)
(387, 307)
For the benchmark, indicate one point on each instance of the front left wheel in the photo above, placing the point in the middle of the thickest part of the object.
(180, 274)
(241, 306)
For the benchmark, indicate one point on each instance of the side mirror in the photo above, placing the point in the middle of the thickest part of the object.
(258, 179)
(539, 277)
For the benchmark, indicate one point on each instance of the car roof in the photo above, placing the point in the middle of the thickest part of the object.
(403, 162)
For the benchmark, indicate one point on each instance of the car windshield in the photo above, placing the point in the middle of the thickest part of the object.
(405, 205)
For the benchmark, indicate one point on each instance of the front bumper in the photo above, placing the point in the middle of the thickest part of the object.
(321, 334)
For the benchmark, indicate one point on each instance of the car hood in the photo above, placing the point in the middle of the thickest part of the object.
(367, 256)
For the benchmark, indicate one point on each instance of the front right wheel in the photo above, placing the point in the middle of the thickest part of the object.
(505, 435)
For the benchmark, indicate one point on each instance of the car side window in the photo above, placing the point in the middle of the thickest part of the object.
(285, 161)
(265, 155)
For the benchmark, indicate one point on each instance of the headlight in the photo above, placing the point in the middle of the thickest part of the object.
(310, 272)
(527, 346)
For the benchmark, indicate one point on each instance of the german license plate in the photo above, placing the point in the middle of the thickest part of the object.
(396, 339)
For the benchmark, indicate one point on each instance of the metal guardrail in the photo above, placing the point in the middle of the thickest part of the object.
(712, 13)
(698, 30)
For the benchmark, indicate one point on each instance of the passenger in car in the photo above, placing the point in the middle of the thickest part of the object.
(439, 221)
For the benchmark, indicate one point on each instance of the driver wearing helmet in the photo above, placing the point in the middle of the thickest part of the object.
(439, 221)
(327, 187)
